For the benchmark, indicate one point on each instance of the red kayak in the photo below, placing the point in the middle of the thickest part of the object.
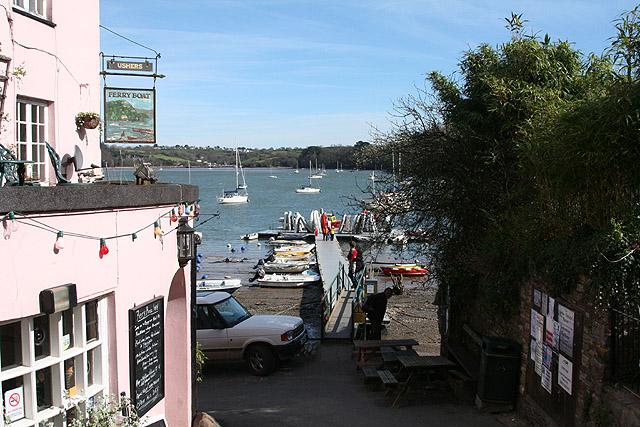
(405, 270)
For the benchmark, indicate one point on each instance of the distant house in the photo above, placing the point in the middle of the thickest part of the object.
(94, 301)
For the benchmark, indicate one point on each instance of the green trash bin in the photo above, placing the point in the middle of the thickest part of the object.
(499, 367)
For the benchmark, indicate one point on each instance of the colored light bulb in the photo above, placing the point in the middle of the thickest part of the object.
(157, 231)
(103, 248)
(13, 224)
(134, 236)
(6, 232)
(59, 241)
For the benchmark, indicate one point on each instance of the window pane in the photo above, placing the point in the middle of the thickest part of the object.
(11, 385)
(70, 376)
(19, 3)
(90, 364)
(22, 132)
(22, 152)
(34, 152)
(40, 133)
(11, 344)
(41, 157)
(22, 112)
(91, 309)
(40, 114)
(43, 388)
(67, 329)
(41, 336)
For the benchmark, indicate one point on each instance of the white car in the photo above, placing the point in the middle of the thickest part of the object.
(226, 331)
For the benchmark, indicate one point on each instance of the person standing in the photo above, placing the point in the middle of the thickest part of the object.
(351, 257)
(325, 228)
(375, 306)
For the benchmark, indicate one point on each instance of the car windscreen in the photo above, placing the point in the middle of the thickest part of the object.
(231, 311)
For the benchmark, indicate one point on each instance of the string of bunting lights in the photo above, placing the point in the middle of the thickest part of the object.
(10, 225)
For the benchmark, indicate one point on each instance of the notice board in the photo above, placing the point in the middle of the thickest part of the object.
(146, 354)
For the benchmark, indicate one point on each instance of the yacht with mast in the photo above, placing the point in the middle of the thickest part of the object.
(239, 194)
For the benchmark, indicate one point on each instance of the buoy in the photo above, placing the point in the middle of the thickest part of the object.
(197, 268)
(228, 245)
(200, 255)
(205, 276)
(243, 248)
(259, 244)
(233, 249)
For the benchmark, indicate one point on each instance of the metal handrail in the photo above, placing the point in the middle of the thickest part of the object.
(331, 295)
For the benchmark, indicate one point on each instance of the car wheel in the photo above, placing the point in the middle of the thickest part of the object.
(261, 359)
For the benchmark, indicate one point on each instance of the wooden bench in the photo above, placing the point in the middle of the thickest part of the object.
(369, 373)
(367, 349)
(462, 356)
(388, 379)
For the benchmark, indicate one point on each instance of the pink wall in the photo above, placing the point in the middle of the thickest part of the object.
(62, 67)
(134, 271)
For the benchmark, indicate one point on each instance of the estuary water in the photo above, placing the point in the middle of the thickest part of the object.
(269, 198)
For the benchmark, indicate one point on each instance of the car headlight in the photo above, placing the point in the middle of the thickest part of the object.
(287, 336)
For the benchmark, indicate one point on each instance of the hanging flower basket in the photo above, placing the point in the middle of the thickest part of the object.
(88, 120)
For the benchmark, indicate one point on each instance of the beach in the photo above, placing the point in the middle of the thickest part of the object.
(411, 314)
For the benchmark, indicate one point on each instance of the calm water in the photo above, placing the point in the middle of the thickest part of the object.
(269, 199)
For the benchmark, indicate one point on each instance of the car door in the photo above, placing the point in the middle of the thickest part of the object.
(211, 333)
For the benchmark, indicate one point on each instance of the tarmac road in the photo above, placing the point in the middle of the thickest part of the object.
(323, 389)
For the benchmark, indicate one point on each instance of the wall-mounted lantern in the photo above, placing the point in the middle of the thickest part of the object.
(186, 243)
(60, 298)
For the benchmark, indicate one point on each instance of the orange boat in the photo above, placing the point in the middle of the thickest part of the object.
(405, 270)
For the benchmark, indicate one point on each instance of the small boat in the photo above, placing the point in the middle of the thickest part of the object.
(286, 267)
(271, 175)
(307, 247)
(226, 285)
(250, 236)
(293, 256)
(278, 242)
(288, 280)
(404, 269)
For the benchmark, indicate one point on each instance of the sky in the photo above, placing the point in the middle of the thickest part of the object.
(298, 73)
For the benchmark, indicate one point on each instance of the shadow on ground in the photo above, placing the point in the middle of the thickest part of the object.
(322, 389)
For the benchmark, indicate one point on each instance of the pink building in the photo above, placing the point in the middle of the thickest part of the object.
(77, 322)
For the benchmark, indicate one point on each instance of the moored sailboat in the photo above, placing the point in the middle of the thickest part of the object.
(239, 194)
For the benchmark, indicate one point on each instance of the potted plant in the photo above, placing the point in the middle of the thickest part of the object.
(87, 120)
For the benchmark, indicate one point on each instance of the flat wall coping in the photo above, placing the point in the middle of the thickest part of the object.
(97, 196)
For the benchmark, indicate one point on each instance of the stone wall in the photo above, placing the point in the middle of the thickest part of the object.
(590, 400)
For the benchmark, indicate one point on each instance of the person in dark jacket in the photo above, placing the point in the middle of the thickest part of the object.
(375, 306)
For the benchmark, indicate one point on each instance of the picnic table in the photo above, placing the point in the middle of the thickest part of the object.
(366, 349)
(418, 366)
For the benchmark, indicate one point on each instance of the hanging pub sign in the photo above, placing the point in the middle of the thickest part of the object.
(112, 64)
(130, 115)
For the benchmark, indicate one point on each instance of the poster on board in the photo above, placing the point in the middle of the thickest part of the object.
(565, 373)
(566, 320)
(130, 115)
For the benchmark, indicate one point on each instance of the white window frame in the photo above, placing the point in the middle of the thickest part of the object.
(81, 351)
(31, 134)
(34, 7)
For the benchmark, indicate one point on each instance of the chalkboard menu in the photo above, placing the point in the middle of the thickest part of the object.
(146, 355)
